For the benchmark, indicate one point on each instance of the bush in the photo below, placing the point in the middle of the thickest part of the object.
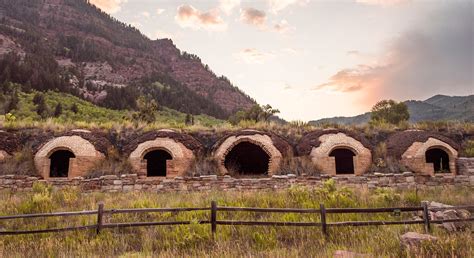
(22, 163)
(203, 166)
(298, 166)
(114, 164)
(469, 148)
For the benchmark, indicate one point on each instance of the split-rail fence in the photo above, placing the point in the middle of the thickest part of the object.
(213, 210)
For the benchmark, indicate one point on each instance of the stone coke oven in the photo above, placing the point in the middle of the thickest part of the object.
(70, 155)
(424, 152)
(8, 145)
(163, 153)
(336, 152)
(250, 152)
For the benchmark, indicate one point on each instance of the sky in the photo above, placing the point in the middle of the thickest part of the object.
(316, 59)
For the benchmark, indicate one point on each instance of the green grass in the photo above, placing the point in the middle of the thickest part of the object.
(90, 115)
(231, 241)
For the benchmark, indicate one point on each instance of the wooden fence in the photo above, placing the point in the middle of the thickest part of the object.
(213, 221)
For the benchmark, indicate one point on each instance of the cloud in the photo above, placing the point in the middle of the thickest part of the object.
(383, 2)
(279, 5)
(146, 14)
(190, 17)
(290, 51)
(436, 57)
(160, 11)
(253, 56)
(109, 6)
(287, 86)
(353, 53)
(228, 5)
(282, 26)
(253, 17)
(350, 80)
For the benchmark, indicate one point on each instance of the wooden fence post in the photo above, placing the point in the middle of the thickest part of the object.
(100, 216)
(213, 218)
(426, 217)
(323, 219)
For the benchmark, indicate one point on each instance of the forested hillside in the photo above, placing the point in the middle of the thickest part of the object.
(71, 46)
(436, 108)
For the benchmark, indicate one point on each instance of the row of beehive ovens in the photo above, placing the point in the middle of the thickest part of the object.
(247, 152)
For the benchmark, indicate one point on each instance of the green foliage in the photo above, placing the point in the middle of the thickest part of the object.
(147, 108)
(230, 241)
(114, 164)
(256, 114)
(21, 163)
(386, 196)
(41, 200)
(469, 148)
(9, 117)
(335, 196)
(58, 110)
(389, 111)
(172, 94)
(81, 112)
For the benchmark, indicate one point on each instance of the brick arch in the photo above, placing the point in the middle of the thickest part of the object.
(415, 156)
(86, 155)
(261, 140)
(182, 156)
(320, 155)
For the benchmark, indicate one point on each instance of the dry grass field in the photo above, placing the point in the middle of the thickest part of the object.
(230, 241)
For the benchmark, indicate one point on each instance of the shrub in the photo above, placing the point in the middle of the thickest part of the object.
(22, 163)
(203, 166)
(469, 148)
(114, 164)
(298, 166)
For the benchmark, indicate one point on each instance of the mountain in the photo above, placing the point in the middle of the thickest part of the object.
(439, 107)
(72, 46)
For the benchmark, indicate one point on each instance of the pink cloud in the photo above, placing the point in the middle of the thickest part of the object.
(253, 17)
(190, 17)
(417, 64)
(109, 6)
(253, 56)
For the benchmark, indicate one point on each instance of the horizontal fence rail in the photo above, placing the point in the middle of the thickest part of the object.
(322, 213)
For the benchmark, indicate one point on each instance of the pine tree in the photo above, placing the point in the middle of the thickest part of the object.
(74, 108)
(58, 110)
(42, 109)
(187, 120)
(13, 104)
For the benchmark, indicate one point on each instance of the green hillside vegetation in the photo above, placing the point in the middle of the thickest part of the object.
(436, 108)
(77, 111)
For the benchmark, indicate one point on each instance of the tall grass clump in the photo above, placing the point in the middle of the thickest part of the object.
(113, 164)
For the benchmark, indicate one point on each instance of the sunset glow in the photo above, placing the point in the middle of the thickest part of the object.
(301, 56)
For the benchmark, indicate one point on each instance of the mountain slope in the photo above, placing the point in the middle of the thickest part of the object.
(96, 52)
(439, 107)
(86, 112)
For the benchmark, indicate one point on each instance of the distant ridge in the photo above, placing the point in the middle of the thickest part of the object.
(438, 107)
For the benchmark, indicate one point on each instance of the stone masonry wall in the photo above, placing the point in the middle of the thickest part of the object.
(133, 182)
(465, 166)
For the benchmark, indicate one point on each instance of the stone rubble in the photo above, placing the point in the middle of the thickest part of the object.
(412, 240)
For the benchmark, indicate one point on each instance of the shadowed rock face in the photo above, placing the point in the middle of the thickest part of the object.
(247, 159)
